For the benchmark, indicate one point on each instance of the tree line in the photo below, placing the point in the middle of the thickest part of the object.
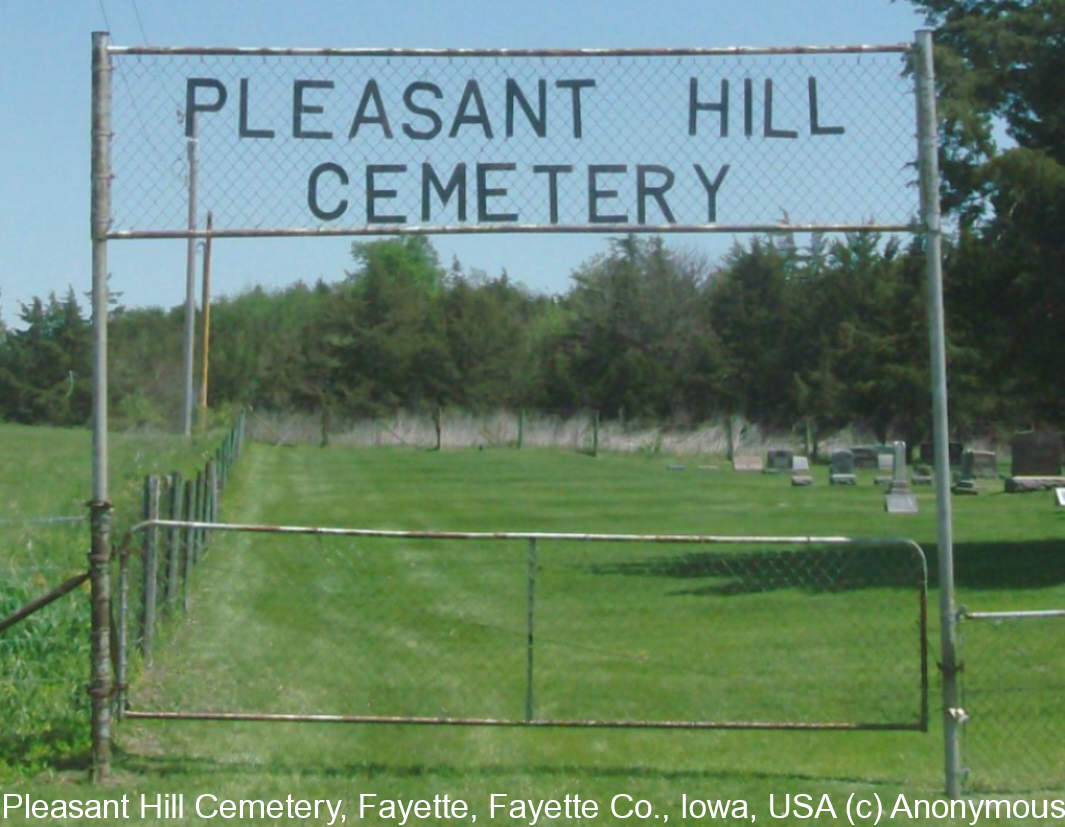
(816, 332)
(820, 336)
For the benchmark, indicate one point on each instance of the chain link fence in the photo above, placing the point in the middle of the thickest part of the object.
(567, 630)
(1013, 687)
(348, 141)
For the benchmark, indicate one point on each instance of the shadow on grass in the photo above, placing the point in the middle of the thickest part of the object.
(815, 569)
(1005, 565)
(1034, 564)
(176, 766)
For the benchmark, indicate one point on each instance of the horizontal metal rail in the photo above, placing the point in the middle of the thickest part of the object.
(529, 535)
(63, 588)
(470, 229)
(710, 51)
(273, 717)
(1019, 615)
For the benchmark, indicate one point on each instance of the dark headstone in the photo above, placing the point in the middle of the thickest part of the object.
(866, 456)
(954, 451)
(1036, 454)
(841, 471)
(778, 460)
(843, 462)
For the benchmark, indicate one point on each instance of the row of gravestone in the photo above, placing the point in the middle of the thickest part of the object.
(843, 464)
(845, 461)
(1034, 454)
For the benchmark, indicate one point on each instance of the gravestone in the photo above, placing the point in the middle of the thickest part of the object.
(865, 456)
(778, 460)
(747, 463)
(885, 466)
(800, 471)
(979, 464)
(954, 452)
(1036, 454)
(841, 470)
(899, 499)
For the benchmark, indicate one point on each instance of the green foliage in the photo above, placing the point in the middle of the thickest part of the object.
(45, 366)
(633, 336)
(1001, 64)
(997, 61)
(44, 660)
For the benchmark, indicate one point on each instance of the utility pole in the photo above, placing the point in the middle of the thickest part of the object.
(190, 283)
(205, 327)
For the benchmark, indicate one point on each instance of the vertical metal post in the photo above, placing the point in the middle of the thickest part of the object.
(99, 506)
(595, 434)
(173, 540)
(212, 491)
(205, 326)
(122, 634)
(151, 568)
(196, 515)
(928, 164)
(188, 542)
(190, 283)
(529, 629)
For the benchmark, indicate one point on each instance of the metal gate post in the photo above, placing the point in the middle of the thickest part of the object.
(928, 163)
(99, 506)
(530, 615)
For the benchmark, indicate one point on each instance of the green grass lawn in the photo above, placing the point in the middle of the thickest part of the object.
(44, 660)
(332, 625)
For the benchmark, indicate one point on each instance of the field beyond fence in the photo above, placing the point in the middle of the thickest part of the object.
(635, 631)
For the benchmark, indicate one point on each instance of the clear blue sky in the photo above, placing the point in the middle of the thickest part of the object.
(44, 168)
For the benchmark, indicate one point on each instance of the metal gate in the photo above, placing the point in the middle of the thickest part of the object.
(852, 612)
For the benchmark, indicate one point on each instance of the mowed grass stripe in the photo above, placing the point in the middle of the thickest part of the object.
(349, 626)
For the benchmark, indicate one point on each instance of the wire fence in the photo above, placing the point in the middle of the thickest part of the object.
(1013, 685)
(153, 580)
(385, 140)
(535, 629)
(44, 613)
